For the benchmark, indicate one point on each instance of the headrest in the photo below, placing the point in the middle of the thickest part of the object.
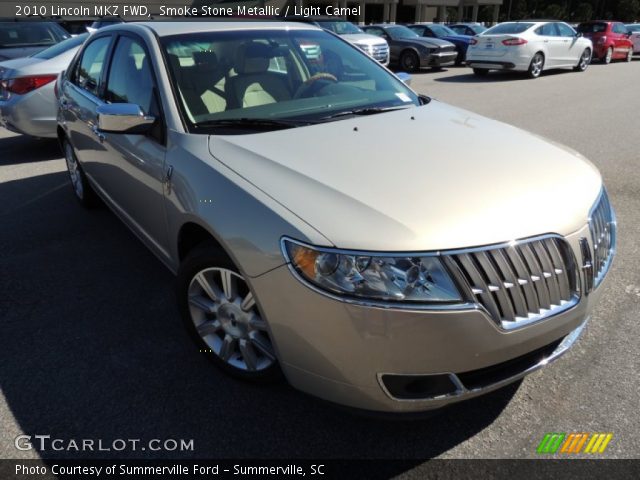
(206, 61)
(253, 57)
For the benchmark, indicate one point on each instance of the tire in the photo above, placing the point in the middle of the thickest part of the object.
(82, 190)
(409, 61)
(220, 313)
(481, 72)
(630, 54)
(608, 56)
(583, 61)
(536, 66)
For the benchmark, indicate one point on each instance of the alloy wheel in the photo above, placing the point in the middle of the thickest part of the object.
(609, 55)
(584, 60)
(535, 69)
(409, 62)
(226, 318)
(630, 55)
(74, 170)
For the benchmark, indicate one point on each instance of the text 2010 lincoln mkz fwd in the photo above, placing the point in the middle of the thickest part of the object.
(325, 221)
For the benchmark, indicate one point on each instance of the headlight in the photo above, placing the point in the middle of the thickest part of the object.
(384, 277)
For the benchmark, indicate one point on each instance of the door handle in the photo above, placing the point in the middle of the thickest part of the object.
(546, 41)
(98, 133)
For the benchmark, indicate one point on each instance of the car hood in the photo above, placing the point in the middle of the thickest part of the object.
(364, 39)
(427, 178)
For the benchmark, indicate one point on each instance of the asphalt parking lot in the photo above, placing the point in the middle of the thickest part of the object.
(92, 346)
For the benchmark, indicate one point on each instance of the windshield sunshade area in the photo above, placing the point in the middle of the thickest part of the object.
(283, 78)
(508, 28)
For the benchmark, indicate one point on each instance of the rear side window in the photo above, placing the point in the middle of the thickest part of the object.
(565, 30)
(548, 30)
(130, 77)
(619, 28)
(89, 71)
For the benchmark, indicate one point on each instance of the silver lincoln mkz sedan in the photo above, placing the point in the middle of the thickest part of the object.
(321, 218)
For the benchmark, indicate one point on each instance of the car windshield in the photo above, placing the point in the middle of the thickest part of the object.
(592, 27)
(508, 28)
(280, 75)
(441, 30)
(341, 28)
(398, 31)
(61, 47)
(31, 34)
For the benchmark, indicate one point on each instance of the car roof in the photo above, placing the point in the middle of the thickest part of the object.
(164, 29)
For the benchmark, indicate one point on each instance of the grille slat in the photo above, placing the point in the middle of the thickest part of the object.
(511, 277)
(478, 283)
(603, 236)
(535, 270)
(521, 282)
(524, 280)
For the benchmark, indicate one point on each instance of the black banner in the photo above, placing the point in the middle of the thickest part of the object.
(317, 469)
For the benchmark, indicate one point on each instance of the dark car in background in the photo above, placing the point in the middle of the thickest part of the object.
(435, 30)
(610, 40)
(22, 39)
(412, 52)
(470, 29)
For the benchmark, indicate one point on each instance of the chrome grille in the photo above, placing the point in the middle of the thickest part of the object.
(602, 226)
(521, 282)
(380, 52)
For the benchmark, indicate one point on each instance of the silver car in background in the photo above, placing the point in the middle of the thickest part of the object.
(27, 97)
(261, 176)
(529, 46)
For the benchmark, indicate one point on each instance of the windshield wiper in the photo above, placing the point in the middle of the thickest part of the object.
(363, 111)
(252, 123)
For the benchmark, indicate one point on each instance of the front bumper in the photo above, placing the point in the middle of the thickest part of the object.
(341, 351)
(437, 59)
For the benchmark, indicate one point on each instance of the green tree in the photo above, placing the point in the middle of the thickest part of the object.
(583, 12)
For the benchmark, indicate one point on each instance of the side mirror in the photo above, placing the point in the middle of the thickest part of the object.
(404, 77)
(578, 34)
(123, 118)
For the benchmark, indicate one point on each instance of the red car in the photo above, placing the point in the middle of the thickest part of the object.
(610, 40)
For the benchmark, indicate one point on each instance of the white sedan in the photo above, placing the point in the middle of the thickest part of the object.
(529, 47)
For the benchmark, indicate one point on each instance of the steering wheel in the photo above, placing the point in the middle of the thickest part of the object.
(314, 84)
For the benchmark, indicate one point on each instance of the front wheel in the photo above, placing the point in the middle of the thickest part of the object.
(536, 65)
(81, 188)
(221, 314)
(481, 72)
(583, 63)
(608, 56)
(409, 61)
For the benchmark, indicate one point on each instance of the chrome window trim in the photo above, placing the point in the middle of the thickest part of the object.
(468, 304)
(462, 392)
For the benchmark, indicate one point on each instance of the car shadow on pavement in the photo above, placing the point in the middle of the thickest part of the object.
(23, 149)
(93, 349)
